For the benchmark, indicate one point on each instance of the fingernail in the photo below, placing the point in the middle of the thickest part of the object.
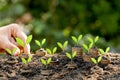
(17, 52)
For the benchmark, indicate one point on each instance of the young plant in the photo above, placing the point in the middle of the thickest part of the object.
(93, 40)
(26, 61)
(62, 46)
(77, 39)
(46, 62)
(11, 52)
(104, 52)
(96, 61)
(21, 43)
(40, 44)
(87, 47)
(52, 51)
(71, 56)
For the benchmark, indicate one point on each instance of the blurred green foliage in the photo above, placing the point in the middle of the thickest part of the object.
(57, 20)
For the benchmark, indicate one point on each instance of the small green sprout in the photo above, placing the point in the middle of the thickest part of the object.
(87, 47)
(96, 61)
(62, 46)
(93, 40)
(71, 56)
(11, 52)
(106, 51)
(26, 61)
(21, 43)
(46, 62)
(52, 51)
(77, 39)
(40, 44)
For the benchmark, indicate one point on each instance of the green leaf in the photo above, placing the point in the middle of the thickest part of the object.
(94, 60)
(14, 50)
(79, 37)
(49, 51)
(69, 55)
(85, 46)
(54, 49)
(43, 61)
(9, 51)
(74, 54)
(43, 41)
(65, 44)
(96, 39)
(107, 49)
(60, 45)
(20, 42)
(91, 45)
(29, 59)
(74, 39)
(24, 61)
(101, 51)
(49, 60)
(99, 59)
(38, 43)
(29, 39)
(90, 39)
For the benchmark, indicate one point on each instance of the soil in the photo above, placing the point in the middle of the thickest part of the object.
(61, 68)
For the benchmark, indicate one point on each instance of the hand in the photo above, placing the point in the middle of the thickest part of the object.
(7, 39)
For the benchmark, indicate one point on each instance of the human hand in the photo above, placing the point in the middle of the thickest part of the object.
(7, 39)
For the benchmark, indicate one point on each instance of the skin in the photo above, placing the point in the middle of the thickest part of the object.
(7, 39)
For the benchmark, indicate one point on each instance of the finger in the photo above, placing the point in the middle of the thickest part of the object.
(16, 32)
(11, 46)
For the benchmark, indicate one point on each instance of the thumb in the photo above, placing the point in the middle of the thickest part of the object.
(11, 46)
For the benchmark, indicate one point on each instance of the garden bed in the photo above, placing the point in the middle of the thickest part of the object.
(61, 68)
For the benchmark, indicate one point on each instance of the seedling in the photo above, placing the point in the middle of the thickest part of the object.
(52, 51)
(104, 52)
(26, 61)
(62, 46)
(40, 44)
(77, 39)
(46, 62)
(92, 43)
(93, 40)
(87, 47)
(11, 52)
(71, 56)
(21, 43)
(96, 61)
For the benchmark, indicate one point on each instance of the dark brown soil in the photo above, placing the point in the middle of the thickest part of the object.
(11, 68)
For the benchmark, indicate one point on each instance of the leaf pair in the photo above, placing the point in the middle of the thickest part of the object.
(62, 46)
(46, 62)
(40, 44)
(106, 50)
(52, 51)
(93, 40)
(88, 47)
(77, 39)
(26, 61)
(71, 56)
(96, 61)
(11, 52)
(21, 43)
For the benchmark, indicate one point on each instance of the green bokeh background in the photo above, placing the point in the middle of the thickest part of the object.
(57, 20)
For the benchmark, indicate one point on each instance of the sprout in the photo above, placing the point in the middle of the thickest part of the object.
(46, 62)
(106, 51)
(96, 61)
(93, 40)
(77, 39)
(71, 56)
(87, 47)
(21, 43)
(52, 51)
(26, 61)
(40, 44)
(11, 52)
(62, 46)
